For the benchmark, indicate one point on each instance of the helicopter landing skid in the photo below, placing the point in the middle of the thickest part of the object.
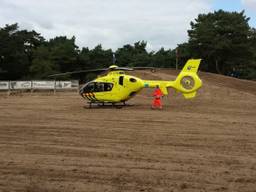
(107, 105)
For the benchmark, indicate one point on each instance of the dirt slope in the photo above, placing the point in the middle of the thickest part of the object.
(51, 143)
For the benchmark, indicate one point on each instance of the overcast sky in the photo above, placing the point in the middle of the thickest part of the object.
(114, 23)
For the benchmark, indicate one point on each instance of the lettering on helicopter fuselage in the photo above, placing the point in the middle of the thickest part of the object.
(190, 67)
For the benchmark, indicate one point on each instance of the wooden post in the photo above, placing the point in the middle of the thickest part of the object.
(54, 87)
(9, 88)
(78, 87)
(31, 88)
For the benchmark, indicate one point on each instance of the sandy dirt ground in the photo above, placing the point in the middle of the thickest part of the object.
(51, 143)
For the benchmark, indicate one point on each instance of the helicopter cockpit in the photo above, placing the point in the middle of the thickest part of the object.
(96, 87)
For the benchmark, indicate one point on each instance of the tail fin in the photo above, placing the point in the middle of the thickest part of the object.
(191, 66)
(188, 81)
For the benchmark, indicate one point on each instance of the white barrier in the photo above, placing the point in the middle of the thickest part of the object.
(41, 85)
(4, 85)
(20, 85)
(63, 85)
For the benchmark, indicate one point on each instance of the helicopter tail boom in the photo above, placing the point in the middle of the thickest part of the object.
(187, 82)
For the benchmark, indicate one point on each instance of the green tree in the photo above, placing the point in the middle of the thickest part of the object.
(133, 55)
(221, 39)
(250, 71)
(42, 65)
(64, 53)
(84, 59)
(99, 58)
(163, 58)
(16, 50)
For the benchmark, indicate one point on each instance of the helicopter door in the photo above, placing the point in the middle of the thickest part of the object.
(102, 87)
(121, 84)
(103, 90)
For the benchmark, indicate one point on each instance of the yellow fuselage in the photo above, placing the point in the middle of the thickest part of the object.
(124, 87)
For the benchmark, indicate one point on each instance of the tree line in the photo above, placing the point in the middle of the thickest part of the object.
(224, 40)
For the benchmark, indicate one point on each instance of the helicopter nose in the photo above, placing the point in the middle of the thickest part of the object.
(81, 91)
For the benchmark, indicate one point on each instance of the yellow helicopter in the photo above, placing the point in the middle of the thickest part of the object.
(117, 87)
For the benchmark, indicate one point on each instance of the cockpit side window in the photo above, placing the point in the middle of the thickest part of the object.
(103, 87)
(121, 80)
(98, 87)
(108, 86)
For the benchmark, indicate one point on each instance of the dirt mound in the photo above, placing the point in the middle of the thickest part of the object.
(52, 143)
(229, 82)
(208, 79)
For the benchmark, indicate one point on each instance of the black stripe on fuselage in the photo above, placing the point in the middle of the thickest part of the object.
(94, 97)
(86, 95)
(90, 96)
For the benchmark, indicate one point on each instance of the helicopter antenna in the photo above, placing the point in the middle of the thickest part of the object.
(114, 59)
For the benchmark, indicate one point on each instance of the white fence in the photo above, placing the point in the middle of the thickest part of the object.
(39, 85)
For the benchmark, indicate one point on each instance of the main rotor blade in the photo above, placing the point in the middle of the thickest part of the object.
(79, 72)
(102, 70)
(152, 69)
(134, 68)
(123, 69)
(142, 68)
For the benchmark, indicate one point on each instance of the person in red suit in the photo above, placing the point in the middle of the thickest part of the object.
(156, 104)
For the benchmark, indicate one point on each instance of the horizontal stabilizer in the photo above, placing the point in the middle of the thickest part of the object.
(164, 90)
(189, 95)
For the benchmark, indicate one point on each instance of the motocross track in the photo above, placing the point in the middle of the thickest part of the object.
(51, 143)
